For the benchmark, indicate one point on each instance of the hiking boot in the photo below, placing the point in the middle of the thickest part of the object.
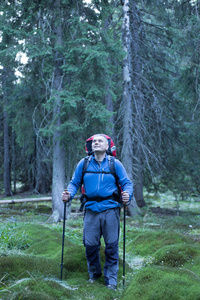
(111, 287)
(91, 280)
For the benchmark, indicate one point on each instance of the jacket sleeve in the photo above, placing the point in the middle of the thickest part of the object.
(124, 181)
(76, 180)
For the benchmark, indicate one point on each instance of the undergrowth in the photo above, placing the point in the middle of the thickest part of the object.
(162, 257)
(11, 238)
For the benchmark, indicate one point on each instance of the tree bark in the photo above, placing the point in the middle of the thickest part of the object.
(41, 175)
(128, 138)
(7, 180)
(138, 103)
(58, 148)
(13, 164)
(127, 150)
(106, 19)
(109, 107)
(138, 191)
(58, 173)
(6, 172)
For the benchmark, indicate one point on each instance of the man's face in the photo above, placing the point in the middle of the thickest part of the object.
(99, 144)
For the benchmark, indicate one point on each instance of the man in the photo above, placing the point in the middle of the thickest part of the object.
(101, 209)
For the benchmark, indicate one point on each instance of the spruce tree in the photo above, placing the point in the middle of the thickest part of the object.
(8, 52)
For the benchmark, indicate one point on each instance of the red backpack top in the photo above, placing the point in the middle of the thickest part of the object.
(111, 150)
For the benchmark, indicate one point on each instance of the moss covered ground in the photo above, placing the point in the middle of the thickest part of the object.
(162, 254)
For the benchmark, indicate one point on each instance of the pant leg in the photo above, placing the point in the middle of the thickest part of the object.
(111, 237)
(91, 240)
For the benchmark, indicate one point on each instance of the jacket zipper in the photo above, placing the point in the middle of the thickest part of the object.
(102, 175)
(99, 180)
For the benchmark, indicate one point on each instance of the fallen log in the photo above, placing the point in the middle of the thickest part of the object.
(15, 201)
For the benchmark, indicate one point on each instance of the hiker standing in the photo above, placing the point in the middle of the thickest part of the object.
(102, 207)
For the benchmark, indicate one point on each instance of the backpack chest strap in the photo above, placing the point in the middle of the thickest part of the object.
(98, 172)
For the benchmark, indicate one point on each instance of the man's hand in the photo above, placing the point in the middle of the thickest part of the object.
(125, 197)
(65, 196)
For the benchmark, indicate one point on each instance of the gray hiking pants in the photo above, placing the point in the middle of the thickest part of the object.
(104, 224)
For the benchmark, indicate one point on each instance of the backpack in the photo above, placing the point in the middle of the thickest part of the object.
(111, 152)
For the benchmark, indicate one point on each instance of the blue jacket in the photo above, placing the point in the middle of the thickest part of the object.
(100, 184)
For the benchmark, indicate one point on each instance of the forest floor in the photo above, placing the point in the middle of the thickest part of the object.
(162, 253)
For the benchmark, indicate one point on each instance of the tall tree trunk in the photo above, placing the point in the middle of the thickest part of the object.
(58, 172)
(106, 13)
(40, 171)
(128, 140)
(13, 164)
(138, 191)
(138, 103)
(7, 181)
(128, 137)
(58, 148)
(6, 174)
(109, 107)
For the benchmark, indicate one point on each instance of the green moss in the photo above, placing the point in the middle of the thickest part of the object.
(20, 266)
(39, 232)
(175, 255)
(75, 261)
(193, 265)
(38, 289)
(50, 248)
(44, 241)
(163, 284)
(149, 241)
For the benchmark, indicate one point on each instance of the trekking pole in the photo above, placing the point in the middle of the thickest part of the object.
(63, 239)
(124, 244)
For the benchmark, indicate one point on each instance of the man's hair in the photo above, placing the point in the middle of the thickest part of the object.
(102, 136)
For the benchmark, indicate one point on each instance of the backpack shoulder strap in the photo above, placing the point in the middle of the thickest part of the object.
(86, 162)
(111, 162)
